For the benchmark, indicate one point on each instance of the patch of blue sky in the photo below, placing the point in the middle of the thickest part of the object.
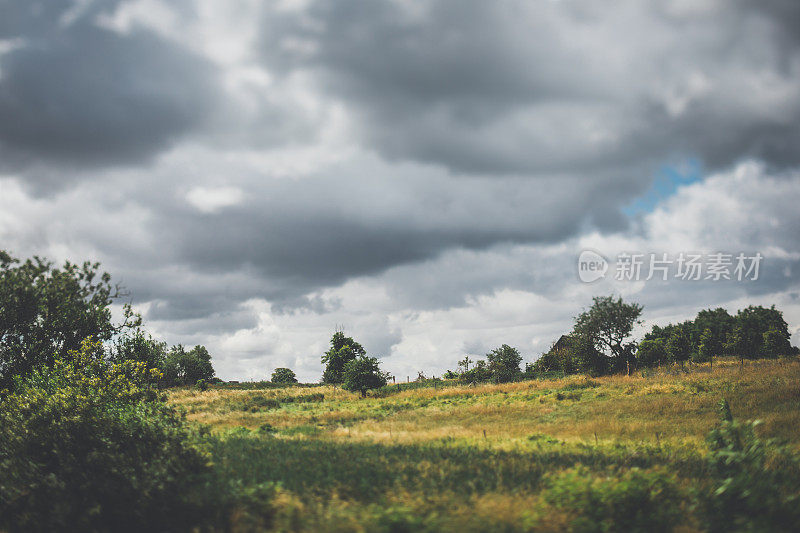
(668, 180)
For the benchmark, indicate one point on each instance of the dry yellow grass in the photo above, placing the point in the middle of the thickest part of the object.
(674, 405)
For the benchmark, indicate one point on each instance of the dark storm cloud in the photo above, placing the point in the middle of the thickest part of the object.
(72, 92)
(527, 87)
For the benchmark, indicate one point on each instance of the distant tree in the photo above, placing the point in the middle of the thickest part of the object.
(47, 312)
(198, 365)
(343, 350)
(449, 374)
(504, 363)
(679, 345)
(754, 322)
(186, 368)
(463, 365)
(651, 352)
(283, 375)
(705, 348)
(362, 374)
(607, 325)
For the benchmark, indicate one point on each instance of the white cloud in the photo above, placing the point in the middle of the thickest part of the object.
(214, 199)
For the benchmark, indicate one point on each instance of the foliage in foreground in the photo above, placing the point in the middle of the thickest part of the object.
(86, 445)
(750, 477)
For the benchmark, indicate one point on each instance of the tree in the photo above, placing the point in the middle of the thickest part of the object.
(606, 325)
(362, 374)
(186, 368)
(140, 347)
(720, 323)
(679, 345)
(46, 312)
(705, 348)
(743, 341)
(754, 321)
(504, 363)
(198, 365)
(343, 350)
(651, 352)
(283, 375)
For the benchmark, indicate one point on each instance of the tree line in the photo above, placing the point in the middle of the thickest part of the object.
(600, 341)
(46, 313)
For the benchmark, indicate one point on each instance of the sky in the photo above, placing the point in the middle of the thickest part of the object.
(422, 174)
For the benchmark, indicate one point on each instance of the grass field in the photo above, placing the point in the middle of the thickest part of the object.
(578, 453)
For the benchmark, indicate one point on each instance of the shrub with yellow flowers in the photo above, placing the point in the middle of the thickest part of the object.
(89, 445)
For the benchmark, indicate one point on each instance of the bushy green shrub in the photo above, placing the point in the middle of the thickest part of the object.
(86, 446)
(625, 500)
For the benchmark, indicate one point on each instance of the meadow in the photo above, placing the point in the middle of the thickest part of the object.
(574, 453)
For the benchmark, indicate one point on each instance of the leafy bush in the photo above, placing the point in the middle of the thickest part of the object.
(627, 500)
(85, 445)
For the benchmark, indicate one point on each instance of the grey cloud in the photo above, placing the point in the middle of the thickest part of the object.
(525, 87)
(74, 93)
(492, 135)
(364, 217)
